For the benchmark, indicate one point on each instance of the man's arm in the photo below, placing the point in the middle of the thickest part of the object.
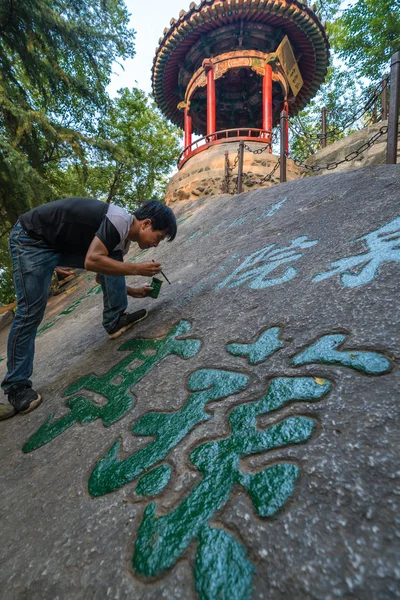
(97, 260)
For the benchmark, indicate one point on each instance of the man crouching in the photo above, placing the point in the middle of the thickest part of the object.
(82, 233)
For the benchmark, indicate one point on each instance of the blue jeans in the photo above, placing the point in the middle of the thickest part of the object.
(34, 262)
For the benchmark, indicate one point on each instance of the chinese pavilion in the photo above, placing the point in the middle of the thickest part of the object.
(224, 70)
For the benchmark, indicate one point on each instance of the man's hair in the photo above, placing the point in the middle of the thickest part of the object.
(162, 217)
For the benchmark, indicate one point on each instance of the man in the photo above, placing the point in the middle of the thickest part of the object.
(75, 232)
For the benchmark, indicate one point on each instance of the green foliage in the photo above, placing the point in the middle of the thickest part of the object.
(326, 9)
(7, 292)
(144, 148)
(56, 58)
(342, 98)
(366, 36)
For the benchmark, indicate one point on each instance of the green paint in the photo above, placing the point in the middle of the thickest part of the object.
(324, 351)
(202, 285)
(2, 358)
(44, 328)
(70, 309)
(256, 268)
(162, 540)
(183, 219)
(154, 482)
(156, 285)
(195, 234)
(267, 344)
(168, 429)
(119, 398)
(239, 221)
(270, 488)
(137, 255)
(271, 211)
(222, 569)
(382, 246)
(94, 290)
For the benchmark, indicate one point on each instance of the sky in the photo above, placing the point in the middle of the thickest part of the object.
(149, 21)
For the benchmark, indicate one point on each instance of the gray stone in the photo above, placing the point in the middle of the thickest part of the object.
(6, 319)
(337, 151)
(336, 535)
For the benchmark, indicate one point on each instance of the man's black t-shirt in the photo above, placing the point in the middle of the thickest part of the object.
(70, 225)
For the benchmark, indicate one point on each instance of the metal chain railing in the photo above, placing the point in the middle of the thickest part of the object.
(259, 150)
(351, 156)
(235, 162)
(245, 176)
(375, 95)
(315, 168)
(226, 184)
(272, 172)
(228, 171)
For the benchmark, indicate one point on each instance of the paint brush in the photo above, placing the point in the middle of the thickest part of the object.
(163, 274)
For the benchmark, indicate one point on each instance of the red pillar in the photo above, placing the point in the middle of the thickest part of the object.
(187, 124)
(267, 101)
(211, 101)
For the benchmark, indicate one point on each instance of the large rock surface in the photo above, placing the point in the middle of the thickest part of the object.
(254, 433)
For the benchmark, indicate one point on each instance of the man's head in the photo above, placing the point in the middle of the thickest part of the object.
(154, 222)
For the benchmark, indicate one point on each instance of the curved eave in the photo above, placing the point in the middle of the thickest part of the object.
(302, 26)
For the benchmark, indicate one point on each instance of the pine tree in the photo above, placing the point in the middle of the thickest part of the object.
(56, 58)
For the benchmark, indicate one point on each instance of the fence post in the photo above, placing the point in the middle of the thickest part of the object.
(393, 126)
(384, 112)
(283, 146)
(323, 123)
(240, 167)
(225, 187)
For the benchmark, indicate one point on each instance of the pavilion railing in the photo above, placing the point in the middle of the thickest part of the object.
(248, 133)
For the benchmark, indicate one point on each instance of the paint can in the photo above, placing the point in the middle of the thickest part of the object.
(156, 285)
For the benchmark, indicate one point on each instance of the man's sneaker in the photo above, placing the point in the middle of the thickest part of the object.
(125, 321)
(6, 411)
(24, 399)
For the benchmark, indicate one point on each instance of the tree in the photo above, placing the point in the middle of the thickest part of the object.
(342, 98)
(144, 147)
(366, 36)
(56, 58)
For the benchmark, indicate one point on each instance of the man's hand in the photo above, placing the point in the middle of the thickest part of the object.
(141, 292)
(147, 269)
(97, 260)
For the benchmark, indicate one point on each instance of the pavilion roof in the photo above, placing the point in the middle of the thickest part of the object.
(303, 27)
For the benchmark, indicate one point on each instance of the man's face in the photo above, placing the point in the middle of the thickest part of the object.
(148, 237)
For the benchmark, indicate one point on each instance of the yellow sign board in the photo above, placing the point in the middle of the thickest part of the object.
(289, 65)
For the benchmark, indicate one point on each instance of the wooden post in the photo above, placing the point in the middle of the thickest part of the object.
(225, 187)
(391, 150)
(267, 102)
(323, 123)
(384, 111)
(283, 121)
(286, 109)
(240, 167)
